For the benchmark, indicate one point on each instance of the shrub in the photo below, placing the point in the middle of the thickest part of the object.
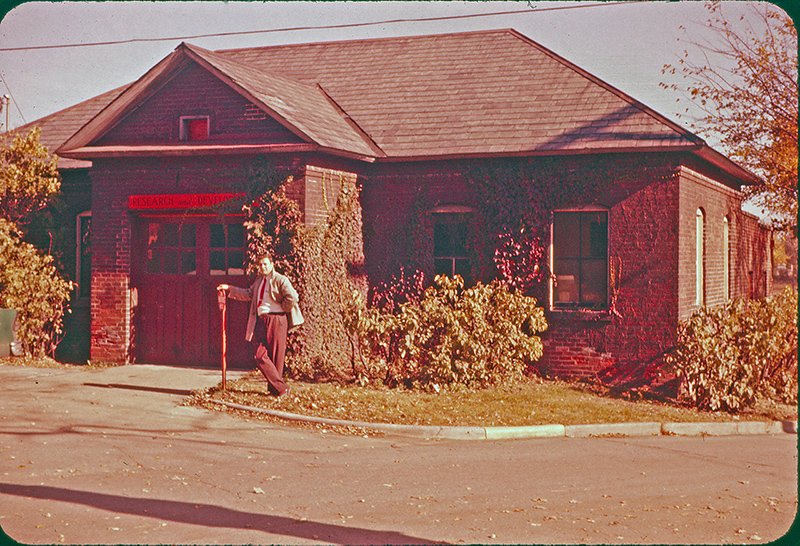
(30, 283)
(473, 337)
(728, 357)
(402, 288)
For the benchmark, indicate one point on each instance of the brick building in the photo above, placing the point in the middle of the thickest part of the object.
(658, 234)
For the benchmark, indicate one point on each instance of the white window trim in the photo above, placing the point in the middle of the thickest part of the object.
(551, 254)
(699, 257)
(726, 257)
(452, 209)
(183, 135)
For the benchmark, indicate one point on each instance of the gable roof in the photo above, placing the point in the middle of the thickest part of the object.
(473, 94)
(304, 108)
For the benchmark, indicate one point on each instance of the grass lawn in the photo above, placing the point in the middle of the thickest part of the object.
(531, 403)
(536, 402)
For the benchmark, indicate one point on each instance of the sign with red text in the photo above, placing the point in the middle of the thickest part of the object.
(171, 201)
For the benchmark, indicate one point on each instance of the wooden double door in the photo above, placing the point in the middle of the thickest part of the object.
(177, 264)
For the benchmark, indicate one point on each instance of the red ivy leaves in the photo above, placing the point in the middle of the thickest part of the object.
(400, 289)
(519, 259)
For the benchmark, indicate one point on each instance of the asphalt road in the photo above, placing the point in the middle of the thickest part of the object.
(109, 456)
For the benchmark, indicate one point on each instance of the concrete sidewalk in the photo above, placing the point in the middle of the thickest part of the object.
(184, 380)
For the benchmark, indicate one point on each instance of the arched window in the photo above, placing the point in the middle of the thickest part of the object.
(726, 258)
(700, 254)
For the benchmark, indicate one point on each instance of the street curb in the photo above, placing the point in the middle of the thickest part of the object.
(542, 431)
(613, 429)
(533, 431)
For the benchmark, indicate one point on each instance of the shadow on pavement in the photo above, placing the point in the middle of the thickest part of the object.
(208, 515)
(174, 435)
(182, 392)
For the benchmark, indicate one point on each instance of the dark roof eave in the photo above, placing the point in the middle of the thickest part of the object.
(702, 151)
(728, 166)
(92, 152)
(540, 153)
(68, 164)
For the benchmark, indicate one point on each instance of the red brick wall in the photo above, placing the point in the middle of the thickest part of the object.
(322, 187)
(749, 245)
(647, 215)
(753, 263)
(195, 92)
(643, 250)
(398, 226)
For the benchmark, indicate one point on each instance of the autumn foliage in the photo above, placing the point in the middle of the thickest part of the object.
(749, 99)
(29, 280)
(729, 357)
(28, 176)
(451, 337)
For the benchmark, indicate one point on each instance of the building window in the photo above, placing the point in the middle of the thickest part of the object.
(83, 253)
(194, 128)
(450, 246)
(726, 258)
(699, 258)
(580, 259)
(171, 249)
(227, 249)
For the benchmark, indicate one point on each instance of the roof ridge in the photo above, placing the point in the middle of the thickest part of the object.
(245, 66)
(506, 30)
(349, 119)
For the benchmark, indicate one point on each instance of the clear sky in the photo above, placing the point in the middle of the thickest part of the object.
(625, 44)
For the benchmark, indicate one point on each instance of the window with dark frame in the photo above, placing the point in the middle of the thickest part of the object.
(580, 259)
(227, 249)
(450, 246)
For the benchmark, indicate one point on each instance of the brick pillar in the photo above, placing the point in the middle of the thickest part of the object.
(111, 267)
(111, 314)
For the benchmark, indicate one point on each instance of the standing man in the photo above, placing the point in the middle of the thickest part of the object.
(273, 312)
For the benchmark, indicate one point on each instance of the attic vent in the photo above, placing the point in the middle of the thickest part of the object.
(194, 128)
(254, 113)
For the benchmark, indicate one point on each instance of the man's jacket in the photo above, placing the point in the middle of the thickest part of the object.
(281, 290)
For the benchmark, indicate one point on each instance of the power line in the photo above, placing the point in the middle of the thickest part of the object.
(320, 27)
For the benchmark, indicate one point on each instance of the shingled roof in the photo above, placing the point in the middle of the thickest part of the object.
(469, 93)
(473, 94)
(59, 126)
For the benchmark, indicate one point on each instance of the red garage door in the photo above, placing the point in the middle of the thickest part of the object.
(178, 263)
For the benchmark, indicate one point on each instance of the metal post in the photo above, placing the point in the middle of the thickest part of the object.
(222, 303)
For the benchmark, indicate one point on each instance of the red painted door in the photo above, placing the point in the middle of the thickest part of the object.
(178, 263)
